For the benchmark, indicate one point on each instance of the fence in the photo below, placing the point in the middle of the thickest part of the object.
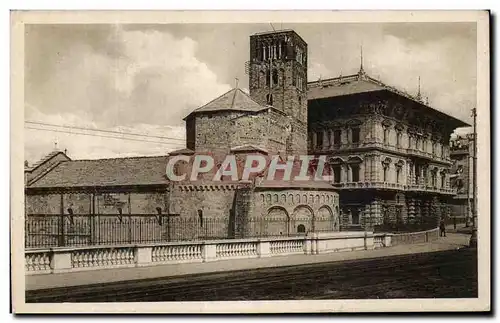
(59, 231)
(69, 259)
(415, 237)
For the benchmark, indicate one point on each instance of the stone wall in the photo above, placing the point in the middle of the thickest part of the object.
(283, 211)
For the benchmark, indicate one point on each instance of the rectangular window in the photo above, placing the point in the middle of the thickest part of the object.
(385, 174)
(337, 170)
(443, 180)
(355, 173)
(386, 136)
(355, 135)
(355, 216)
(398, 172)
(337, 136)
(319, 139)
(398, 139)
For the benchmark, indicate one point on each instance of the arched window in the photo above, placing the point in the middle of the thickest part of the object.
(319, 139)
(336, 137)
(200, 217)
(261, 78)
(301, 228)
(386, 135)
(275, 77)
(269, 99)
(355, 172)
(434, 178)
(355, 135)
(385, 166)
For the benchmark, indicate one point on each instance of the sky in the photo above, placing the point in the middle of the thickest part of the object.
(146, 78)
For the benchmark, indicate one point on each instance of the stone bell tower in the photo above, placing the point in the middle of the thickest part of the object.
(278, 78)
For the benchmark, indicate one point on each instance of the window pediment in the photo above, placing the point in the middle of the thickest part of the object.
(354, 160)
(386, 123)
(336, 161)
(354, 123)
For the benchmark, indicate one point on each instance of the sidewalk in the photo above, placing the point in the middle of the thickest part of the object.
(452, 241)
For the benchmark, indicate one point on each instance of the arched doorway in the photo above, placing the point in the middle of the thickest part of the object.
(276, 223)
(302, 215)
(301, 228)
(324, 219)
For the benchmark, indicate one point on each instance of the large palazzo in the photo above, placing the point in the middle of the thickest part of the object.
(389, 152)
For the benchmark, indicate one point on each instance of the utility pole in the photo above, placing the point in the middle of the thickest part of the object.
(473, 238)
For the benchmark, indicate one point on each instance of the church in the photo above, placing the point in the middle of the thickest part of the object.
(388, 153)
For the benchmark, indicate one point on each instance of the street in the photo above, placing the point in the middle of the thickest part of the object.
(444, 274)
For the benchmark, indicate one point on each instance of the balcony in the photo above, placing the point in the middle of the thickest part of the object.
(430, 189)
(393, 187)
(345, 147)
(370, 185)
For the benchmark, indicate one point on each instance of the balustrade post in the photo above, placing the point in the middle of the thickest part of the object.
(143, 255)
(60, 261)
(308, 246)
(314, 244)
(387, 240)
(263, 249)
(208, 252)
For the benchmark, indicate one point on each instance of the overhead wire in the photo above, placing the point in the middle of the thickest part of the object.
(102, 136)
(102, 130)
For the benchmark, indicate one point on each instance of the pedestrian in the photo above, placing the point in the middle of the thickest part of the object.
(442, 229)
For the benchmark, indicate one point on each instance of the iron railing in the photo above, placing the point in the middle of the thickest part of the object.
(42, 231)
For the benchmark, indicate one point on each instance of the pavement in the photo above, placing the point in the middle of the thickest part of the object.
(33, 282)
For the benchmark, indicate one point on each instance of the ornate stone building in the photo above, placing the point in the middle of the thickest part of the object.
(389, 152)
(461, 152)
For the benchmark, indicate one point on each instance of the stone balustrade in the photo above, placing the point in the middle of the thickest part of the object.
(415, 237)
(394, 186)
(379, 145)
(57, 260)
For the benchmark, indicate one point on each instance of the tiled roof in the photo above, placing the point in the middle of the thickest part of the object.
(106, 172)
(234, 100)
(249, 148)
(183, 151)
(295, 184)
(362, 83)
(44, 160)
(341, 86)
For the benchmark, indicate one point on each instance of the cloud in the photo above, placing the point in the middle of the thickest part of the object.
(443, 77)
(316, 71)
(149, 85)
(86, 144)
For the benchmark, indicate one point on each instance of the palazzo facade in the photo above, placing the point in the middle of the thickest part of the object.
(389, 152)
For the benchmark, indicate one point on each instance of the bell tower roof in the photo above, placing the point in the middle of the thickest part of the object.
(233, 100)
